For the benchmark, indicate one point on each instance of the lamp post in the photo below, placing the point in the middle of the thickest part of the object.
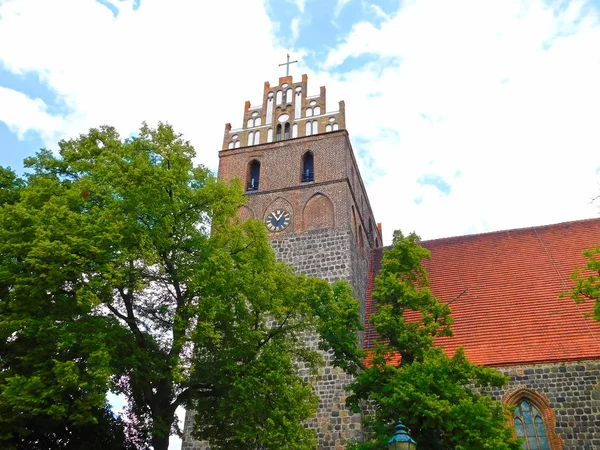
(401, 440)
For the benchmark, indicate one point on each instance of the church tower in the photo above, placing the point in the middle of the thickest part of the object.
(300, 176)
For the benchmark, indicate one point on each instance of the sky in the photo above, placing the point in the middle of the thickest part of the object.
(466, 116)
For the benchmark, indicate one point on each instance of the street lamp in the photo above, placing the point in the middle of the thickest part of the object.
(401, 439)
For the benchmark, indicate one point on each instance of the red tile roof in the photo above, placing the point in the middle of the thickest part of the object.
(511, 312)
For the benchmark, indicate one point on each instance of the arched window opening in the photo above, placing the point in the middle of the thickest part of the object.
(288, 96)
(278, 133)
(269, 117)
(257, 122)
(253, 175)
(230, 146)
(315, 127)
(250, 123)
(256, 137)
(308, 167)
(237, 144)
(270, 135)
(295, 130)
(308, 112)
(317, 111)
(286, 134)
(328, 128)
(529, 426)
(250, 139)
(308, 128)
(533, 419)
(279, 97)
(336, 127)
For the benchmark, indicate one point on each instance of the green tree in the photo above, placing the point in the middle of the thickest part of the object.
(106, 433)
(435, 396)
(122, 267)
(587, 282)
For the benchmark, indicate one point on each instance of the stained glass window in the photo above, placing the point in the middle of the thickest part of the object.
(530, 427)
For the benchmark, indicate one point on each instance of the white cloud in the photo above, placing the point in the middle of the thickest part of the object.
(22, 114)
(339, 7)
(295, 27)
(168, 60)
(500, 99)
(300, 4)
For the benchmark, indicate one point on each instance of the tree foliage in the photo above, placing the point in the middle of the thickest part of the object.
(122, 267)
(587, 282)
(435, 396)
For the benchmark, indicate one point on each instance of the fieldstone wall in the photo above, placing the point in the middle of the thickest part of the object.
(332, 255)
(573, 393)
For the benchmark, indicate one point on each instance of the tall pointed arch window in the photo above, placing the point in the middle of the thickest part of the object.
(286, 131)
(530, 427)
(308, 167)
(533, 419)
(278, 133)
(253, 175)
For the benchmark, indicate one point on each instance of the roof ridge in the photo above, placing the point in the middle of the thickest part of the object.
(519, 229)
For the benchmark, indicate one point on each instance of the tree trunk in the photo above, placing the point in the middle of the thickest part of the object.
(160, 442)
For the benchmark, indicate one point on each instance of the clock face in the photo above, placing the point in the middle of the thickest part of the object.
(278, 220)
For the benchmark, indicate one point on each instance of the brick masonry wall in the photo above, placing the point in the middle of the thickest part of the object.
(573, 392)
(332, 255)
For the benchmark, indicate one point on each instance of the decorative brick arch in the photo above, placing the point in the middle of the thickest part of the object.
(281, 203)
(245, 213)
(521, 393)
(318, 213)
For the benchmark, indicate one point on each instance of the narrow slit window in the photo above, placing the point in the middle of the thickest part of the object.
(269, 117)
(298, 105)
(270, 135)
(278, 133)
(295, 130)
(286, 134)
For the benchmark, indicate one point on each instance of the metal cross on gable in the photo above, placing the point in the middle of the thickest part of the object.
(287, 65)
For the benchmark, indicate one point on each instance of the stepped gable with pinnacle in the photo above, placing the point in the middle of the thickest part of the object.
(299, 173)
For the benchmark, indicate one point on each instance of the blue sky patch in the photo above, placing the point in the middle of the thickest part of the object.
(31, 84)
(13, 151)
(435, 180)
